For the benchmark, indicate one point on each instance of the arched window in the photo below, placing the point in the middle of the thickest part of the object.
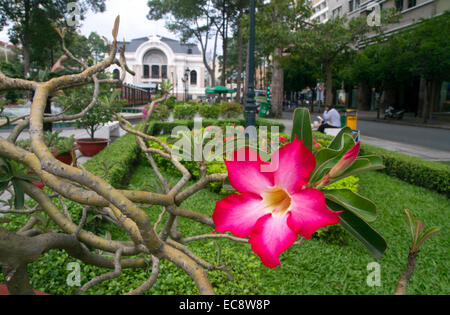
(116, 74)
(193, 77)
(156, 62)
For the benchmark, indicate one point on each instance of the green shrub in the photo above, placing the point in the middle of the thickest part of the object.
(413, 170)
(122, 155)
(157, 128)
(171, 102)
(209, 111)
(231, 110)
(185, 111)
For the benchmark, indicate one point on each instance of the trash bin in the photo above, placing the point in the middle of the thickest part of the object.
(264, 109)
(352, 118)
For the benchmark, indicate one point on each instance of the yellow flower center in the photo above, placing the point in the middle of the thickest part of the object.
(276, 200)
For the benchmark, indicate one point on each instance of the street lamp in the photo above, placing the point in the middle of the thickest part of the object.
(186, 84)
(250, 107)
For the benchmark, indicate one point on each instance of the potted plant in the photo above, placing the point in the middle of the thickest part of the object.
(94, 119)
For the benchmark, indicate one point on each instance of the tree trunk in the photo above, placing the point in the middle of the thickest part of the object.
(363, 97)
(277, 84)
(240, 60)
(16, 279)
(422, 97)
(329, 85)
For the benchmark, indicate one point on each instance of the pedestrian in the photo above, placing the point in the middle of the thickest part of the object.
(331, 119)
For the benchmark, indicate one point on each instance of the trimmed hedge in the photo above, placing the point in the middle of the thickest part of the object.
(123, 153)
(413, 170)
(157, 128)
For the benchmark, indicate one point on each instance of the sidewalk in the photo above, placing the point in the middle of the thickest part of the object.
(407, 120)
(425, 153)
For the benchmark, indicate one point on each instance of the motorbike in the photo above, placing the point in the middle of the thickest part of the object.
(392, 113)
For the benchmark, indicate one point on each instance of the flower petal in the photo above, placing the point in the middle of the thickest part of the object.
(295, 164)
(244, 172)
(238, 214)
(309, 212)
(270, 237)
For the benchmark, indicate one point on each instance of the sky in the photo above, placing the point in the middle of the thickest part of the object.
(133, 21)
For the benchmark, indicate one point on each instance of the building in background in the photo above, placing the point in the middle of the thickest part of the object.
(7, 51)
(412, 11)
(320, 11)
(156, 58)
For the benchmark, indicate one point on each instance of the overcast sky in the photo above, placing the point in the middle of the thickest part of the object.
(133, 21)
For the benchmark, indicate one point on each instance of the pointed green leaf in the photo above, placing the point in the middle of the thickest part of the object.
(19, 196)
(337, 142)
(302, 127)
(359, 205)
(360, 230)
(362, 164)
(411, 221)
(427, 234)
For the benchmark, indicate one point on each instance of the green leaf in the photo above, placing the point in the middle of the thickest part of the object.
(337, 142)
(427, 234)
(362, 164)
(302, 127)
(4, 185)
(5, 178)
(28, 177)
(19, 196)
(357, 204)
(360, 230)
(327, 158)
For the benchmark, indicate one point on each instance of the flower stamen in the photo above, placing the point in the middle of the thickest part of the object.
(276, 200)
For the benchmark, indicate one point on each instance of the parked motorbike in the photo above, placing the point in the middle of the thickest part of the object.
(392, 113)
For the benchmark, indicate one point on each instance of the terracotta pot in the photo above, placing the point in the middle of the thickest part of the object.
(39, 185)
(90, 147)
(4, 291)
(65, 157)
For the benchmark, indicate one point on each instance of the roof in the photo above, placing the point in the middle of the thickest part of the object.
(176, 46)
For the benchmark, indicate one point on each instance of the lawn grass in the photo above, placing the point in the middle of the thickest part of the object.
(314, 267)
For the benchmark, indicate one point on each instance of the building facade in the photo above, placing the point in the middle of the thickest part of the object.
(156, 58)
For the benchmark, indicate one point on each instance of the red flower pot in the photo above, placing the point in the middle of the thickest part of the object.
(4, 291)
(90, 148)
(65, 157)
(39, 185)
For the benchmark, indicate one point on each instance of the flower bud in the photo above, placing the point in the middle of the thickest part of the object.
(347, 160)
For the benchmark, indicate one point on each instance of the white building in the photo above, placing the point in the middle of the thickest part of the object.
(156, 58)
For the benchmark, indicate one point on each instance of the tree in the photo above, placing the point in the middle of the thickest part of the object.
(31, 21)
(276, 25)
(192, 19)
(431, 47)
(325, 43)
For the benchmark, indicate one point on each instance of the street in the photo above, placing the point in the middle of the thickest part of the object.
(427, 143)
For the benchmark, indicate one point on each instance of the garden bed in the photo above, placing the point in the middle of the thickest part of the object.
(317, 266)
(334, 263)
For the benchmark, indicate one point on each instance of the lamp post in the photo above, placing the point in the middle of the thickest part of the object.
(250, 107)
(186, 84)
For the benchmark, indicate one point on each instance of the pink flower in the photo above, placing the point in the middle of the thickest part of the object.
(283, 139)
(273, 208)
(144, 114)
(347, 160)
